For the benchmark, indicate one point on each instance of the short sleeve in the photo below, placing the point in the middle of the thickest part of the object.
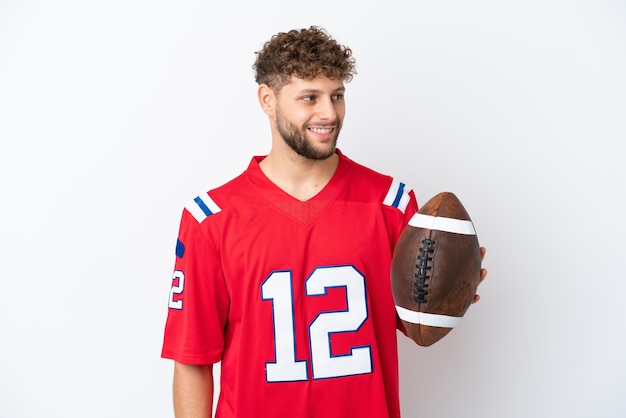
(198, 300)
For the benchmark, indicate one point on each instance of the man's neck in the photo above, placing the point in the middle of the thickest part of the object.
(300, 177)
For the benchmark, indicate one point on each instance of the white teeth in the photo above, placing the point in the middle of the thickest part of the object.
(322, 130)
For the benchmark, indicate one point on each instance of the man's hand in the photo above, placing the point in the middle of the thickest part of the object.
(483, 273)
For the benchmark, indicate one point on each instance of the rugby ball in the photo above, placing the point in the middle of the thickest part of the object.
(435, 270)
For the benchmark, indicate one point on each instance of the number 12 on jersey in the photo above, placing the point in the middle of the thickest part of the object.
(278, 288)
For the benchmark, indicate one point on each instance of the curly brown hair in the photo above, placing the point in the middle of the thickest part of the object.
(303, 53)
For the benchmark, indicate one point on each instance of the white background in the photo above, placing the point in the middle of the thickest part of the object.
(113, 114)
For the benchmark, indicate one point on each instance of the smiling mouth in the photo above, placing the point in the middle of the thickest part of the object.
(320, 130)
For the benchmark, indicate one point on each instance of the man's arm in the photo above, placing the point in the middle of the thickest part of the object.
(193, 390)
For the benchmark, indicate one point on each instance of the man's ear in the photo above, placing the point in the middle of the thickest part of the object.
(267, 99)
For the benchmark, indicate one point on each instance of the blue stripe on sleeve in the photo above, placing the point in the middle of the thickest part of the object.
(396, 201)
(203, 206)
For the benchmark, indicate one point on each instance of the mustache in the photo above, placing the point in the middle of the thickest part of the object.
(334, 124)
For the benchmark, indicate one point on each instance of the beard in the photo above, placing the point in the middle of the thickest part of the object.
(297, 140)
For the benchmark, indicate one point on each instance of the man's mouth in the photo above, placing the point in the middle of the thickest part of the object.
(320, 130)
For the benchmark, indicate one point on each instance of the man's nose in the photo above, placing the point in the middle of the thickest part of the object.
(326, 109)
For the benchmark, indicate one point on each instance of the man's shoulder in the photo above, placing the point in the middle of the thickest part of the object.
(361, 172)
(365, 176)
(216, 199)
(385, 188)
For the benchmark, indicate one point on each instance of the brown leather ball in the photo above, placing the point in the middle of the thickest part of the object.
(435, 270)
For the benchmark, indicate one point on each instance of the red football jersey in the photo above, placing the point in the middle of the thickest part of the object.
(294, 298)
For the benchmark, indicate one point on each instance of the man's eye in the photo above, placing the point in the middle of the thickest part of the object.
(308, 98)
(338, 97)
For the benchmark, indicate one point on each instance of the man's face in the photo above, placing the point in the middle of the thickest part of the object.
(309, 114)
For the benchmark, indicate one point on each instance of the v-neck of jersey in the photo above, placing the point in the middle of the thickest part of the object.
(302, 210)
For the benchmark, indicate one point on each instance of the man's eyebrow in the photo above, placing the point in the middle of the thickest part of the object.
(309, 91)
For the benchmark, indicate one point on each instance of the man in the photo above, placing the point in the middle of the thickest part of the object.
(282, 274)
